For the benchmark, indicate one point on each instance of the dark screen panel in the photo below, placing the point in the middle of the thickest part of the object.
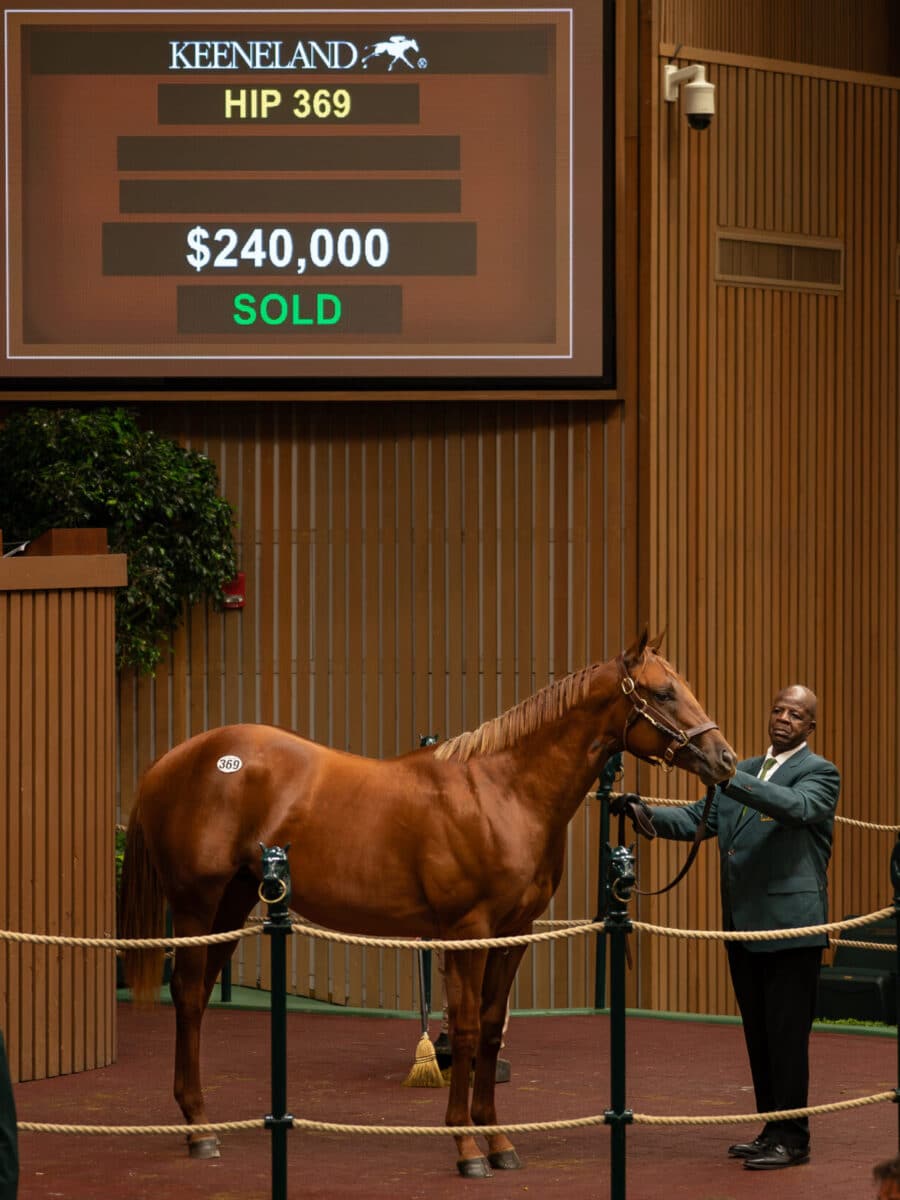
(171, 173)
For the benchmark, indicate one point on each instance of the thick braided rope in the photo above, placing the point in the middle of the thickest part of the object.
(868, 825)
(763, 935)
(684, 803)
(313, 931)
(311, 1126)
(523, 939)
(855, 945)
(785, 1114)
(53, 939)
(221, 1127)
(585, 924)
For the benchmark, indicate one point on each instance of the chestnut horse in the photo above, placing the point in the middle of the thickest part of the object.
(461, 840)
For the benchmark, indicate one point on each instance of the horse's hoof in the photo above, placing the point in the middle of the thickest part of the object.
(474, 1168)
(505, 1160)
(207, 1147)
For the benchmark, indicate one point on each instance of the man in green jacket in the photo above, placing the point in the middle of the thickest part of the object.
(774, 820)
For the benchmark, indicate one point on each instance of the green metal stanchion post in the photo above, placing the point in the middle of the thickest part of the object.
(275, 890)
(427, 739)
(895, 880)
(620, 880)
(608, 776)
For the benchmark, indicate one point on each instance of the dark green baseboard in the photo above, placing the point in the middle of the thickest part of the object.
(256, 999)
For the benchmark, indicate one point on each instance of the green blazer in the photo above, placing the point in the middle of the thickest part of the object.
(774, 844)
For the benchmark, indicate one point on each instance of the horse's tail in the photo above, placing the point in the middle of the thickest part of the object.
(141, 913)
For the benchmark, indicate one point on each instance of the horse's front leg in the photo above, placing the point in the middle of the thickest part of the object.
(463, 974)
(499, 973)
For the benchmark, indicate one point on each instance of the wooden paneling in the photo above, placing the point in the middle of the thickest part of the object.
(410, 569)
(843, 34)
(772, 452)
(57, 811)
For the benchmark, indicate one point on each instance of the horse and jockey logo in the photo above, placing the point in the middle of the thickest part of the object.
(396, 49)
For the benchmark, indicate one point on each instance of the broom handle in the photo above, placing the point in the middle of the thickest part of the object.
(423, 1006)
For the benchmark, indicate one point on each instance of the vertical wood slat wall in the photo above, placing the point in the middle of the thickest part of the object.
(773, 462)
(411, 568)
(829, 33)
(57, 811)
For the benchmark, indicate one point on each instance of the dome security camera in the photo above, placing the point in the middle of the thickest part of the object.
(699, 94)
(699, 103)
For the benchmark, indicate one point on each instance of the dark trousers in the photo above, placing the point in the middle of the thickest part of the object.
(776, 994)
(9, 1146)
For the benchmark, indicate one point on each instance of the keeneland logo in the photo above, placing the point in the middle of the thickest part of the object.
(260, 55)
(395, 49)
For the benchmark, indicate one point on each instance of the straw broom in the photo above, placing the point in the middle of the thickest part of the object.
(425, 1071)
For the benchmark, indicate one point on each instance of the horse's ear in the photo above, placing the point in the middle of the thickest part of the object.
(655, 643)
(635, 652)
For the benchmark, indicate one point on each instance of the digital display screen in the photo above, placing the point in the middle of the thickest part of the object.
(332, 192)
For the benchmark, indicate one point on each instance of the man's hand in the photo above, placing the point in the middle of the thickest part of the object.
(633, 807)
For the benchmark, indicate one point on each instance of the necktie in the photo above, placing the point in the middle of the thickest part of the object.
(767, 767)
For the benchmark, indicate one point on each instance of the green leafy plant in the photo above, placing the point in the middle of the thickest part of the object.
(120, 856)
(160, 504)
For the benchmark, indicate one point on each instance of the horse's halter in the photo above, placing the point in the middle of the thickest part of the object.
(682, 739)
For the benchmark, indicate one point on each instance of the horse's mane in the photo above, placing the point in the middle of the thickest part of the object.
(523, 718)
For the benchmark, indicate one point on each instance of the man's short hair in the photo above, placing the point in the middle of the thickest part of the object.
(889, 1169)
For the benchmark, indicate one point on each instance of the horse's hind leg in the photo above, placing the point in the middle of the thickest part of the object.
(193, 975)
(189, 997)
(239, 898)
(500, 971)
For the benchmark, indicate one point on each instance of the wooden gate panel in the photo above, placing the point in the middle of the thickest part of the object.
(57, 803)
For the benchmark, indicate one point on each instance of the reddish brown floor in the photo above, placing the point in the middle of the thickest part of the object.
(350, 1069)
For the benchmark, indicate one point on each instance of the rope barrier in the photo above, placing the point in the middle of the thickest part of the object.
(762, 935)
(868, 825)
(104, 943)
(524, 939)
(664, 802)
(785, 1114)
(585, 923)
(583, 1122)
(312, 1126)
(221, 1127)
(855, 945)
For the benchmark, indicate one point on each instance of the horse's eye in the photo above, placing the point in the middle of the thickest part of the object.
(664, 695)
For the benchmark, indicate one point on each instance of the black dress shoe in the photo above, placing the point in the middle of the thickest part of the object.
(749, 1149)
(774, 1157)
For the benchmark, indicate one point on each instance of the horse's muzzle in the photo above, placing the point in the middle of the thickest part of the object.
(717, 764)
